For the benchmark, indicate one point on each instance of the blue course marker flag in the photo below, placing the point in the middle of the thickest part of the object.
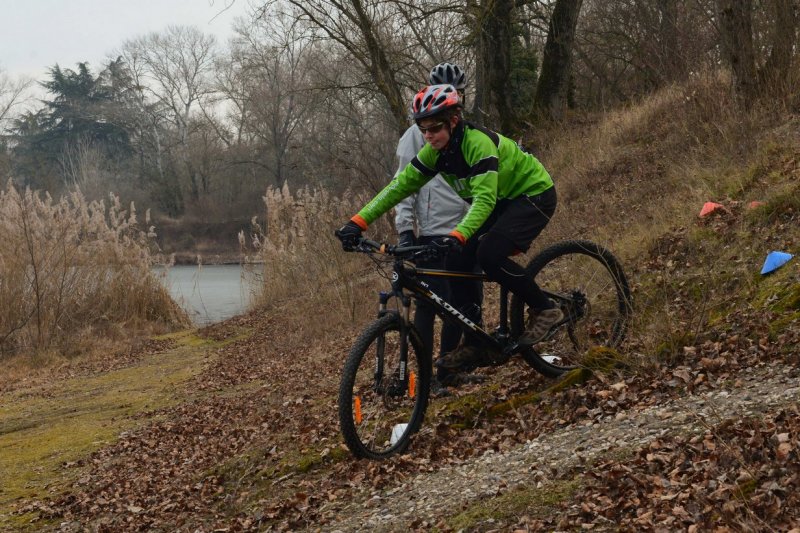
(774, 261)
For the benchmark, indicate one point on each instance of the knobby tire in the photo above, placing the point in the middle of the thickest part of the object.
(617, 303)
(359, 367)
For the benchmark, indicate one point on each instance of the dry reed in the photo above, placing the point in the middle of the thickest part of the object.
(72, 269)
(301, 260)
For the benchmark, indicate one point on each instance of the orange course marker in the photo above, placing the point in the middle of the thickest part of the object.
(711, 207)
(412, 385)
(357, 409)
(754, 204)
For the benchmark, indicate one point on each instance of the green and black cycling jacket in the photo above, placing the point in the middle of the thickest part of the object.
(480, 165)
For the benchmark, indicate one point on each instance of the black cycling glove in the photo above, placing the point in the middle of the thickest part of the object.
(406, 238)
(349, 235)
(447, 242)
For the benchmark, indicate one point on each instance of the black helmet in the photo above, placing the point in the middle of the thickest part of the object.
(448, 73)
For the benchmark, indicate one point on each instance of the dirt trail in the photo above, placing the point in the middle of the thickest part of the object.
(561, 455)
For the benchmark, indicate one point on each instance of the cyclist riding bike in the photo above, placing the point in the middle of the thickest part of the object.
(435, 210)
(512, 199)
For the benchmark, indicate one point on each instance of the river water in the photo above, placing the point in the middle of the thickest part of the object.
(209, 293)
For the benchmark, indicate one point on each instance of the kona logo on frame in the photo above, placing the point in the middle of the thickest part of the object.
(452, 310)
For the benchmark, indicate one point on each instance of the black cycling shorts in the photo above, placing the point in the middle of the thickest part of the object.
(521, 219)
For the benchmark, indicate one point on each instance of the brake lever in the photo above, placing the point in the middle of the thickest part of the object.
(430, 254)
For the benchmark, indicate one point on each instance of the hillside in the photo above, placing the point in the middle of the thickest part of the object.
(234, 427)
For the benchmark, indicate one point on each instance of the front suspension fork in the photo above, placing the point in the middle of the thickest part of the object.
(405, 326)
(405, 314)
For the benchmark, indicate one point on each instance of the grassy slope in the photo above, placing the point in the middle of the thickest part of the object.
(58, 425)
(633, 179)
(636, 181)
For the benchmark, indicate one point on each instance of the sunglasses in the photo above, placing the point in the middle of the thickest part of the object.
(434, 128)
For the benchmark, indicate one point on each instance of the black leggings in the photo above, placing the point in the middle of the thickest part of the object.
(424, 316)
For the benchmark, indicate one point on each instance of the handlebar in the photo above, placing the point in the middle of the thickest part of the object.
(429, 251)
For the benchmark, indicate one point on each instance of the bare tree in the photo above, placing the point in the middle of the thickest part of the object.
(783, 29)
(149, 136)
(759, 44)
(352, 138)
(367, 29)
(493, 25)
(177, 67)
(736, 33)
(233, 87)
(433, 31)
(13, 93)
(180, 63)
(275, 58)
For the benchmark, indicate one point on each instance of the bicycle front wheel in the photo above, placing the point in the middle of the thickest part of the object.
(587, 282)
(382, 401)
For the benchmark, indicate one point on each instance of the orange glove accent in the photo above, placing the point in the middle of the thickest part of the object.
(458, 236)
(361, 222)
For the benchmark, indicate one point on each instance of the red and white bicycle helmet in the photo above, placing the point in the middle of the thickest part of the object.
(434, 99)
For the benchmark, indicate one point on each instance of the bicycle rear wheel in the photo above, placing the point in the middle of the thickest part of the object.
(587, 282)
(382, 404)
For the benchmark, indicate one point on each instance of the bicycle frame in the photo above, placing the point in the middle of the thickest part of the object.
(406, 276)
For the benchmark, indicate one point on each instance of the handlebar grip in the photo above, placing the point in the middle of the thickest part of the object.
(388, 249)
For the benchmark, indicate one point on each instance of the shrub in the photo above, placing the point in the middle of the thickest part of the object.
(72, 267)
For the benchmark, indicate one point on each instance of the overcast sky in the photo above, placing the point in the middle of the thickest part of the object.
(37, 34)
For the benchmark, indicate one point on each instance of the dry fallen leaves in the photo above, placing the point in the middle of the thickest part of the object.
(229, 458)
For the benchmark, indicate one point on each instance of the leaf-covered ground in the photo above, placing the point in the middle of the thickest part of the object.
(249, 440)
(257, 447)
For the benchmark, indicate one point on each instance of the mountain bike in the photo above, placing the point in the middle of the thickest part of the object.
(384, 389)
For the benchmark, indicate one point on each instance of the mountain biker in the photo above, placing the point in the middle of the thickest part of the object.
(435, 210)
(512, 199)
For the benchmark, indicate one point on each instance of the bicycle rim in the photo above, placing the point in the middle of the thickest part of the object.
(589, 286)
(380, 405)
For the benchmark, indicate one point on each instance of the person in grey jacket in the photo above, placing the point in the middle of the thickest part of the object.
(435, 210)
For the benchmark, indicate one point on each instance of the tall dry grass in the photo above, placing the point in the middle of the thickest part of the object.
(73, 270)
(628, 175)
(634, 179)
(301, 263)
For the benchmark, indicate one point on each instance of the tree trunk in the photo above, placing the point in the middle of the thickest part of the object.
(493, 21)
(381, 69)
(499, 28)
(736, 32)
(481, 104)
(372, 54)
(553, 88)
(775, 73)
(480, 110)
(672, 63)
